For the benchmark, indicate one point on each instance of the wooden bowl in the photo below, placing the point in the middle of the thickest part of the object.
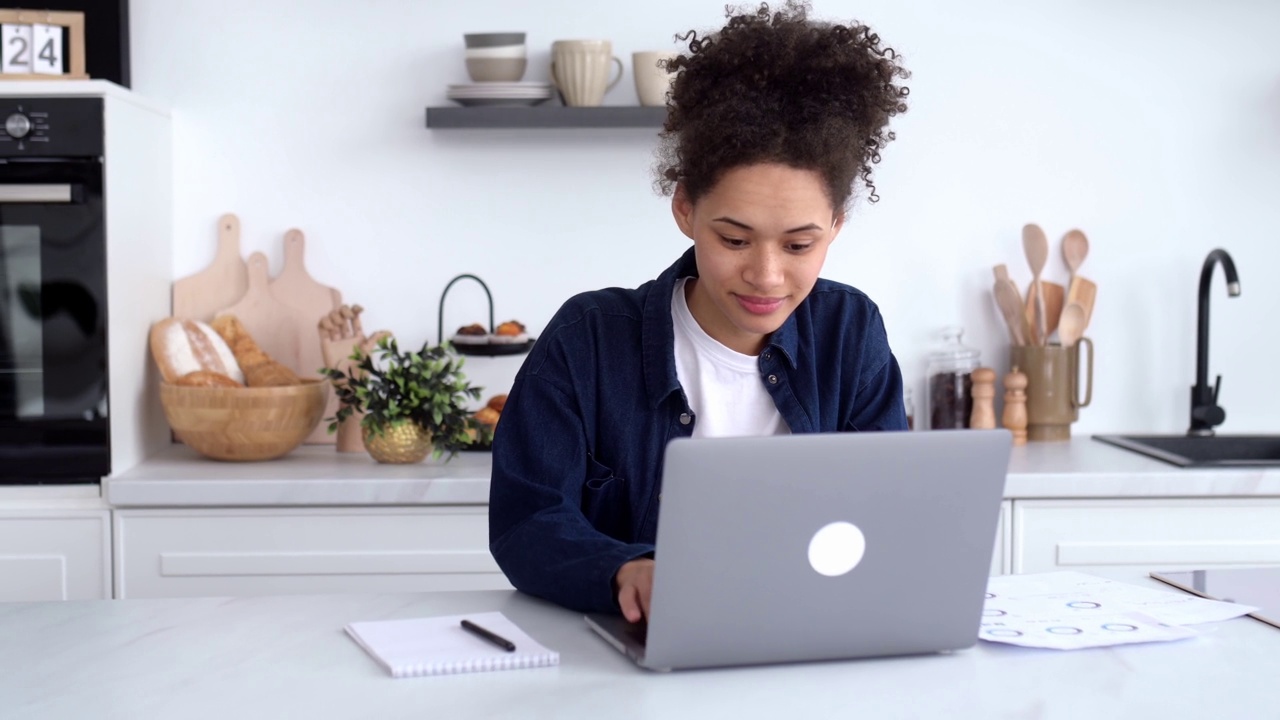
(244, 424)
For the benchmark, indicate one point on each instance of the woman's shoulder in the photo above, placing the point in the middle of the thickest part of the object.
(832, 296)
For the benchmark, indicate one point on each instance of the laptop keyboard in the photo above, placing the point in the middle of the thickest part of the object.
(637, 631)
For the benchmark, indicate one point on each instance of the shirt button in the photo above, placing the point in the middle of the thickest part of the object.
(768, 356)
(773, 379)
(685, 419)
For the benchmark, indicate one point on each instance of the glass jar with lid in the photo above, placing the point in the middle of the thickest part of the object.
(950, 381)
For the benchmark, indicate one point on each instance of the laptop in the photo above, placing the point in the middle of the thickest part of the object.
(819, 547)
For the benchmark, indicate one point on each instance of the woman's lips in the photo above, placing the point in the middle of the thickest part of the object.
(759, 305)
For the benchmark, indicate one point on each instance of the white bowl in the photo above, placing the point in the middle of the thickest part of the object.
(506, 51)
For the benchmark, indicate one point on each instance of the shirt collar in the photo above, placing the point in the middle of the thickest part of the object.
(658, 333)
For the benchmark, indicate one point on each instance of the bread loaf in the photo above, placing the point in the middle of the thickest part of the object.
(260, 369)
(181, 346)
(207, 378)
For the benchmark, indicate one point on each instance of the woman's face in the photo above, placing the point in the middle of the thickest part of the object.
(760, 237)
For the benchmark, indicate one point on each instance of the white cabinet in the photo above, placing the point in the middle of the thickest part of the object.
(1165, 533)
(1000, 558)
(202, 552)
(54, 554)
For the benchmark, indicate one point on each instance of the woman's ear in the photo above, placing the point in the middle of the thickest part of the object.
(682, 210)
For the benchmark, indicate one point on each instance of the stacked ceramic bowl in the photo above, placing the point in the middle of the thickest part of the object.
(496, 62)
(496, 57)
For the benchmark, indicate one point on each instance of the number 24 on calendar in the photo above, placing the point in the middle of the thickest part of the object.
(32, 49)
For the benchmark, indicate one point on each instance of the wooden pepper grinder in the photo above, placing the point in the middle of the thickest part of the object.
(1015, 405)
(983, 416)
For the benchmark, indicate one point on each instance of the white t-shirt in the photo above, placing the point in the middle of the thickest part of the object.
(723, 386)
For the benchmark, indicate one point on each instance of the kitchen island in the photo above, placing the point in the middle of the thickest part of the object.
(287, 656)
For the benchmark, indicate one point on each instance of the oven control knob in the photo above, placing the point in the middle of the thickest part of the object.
(17, 125)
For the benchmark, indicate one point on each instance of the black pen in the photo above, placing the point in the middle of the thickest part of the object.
(498, 640)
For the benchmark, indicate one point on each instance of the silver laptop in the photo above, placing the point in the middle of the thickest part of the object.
(819, 547)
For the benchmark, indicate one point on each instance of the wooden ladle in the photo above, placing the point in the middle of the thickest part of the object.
(1036, 247)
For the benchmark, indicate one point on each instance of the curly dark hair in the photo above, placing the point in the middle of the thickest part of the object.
(776, 87)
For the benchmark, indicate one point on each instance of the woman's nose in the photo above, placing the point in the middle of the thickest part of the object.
(763, 270)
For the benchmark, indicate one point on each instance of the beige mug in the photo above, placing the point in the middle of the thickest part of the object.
(580, 71)
(653, 82)
(1053, 387)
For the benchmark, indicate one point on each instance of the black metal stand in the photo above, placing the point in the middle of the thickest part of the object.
(487, 349)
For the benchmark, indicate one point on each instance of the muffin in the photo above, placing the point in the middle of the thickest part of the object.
(473, 334)
(510, 332)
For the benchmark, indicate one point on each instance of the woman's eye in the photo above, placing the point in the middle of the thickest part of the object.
(799, 247)
(733, 242)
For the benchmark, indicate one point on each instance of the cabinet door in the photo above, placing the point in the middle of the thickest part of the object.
(55, 555)
(1144, 535)
(182, 553)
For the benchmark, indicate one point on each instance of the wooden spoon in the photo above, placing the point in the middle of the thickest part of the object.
(1075, 246)
(1009, 300)
(1071, 324)
(1036, 247)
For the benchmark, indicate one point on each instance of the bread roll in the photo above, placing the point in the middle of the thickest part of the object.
(181, 346)
(207, 378)
(488, 416)
(260, 369)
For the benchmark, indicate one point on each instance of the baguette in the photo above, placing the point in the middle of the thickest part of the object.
(260, 369)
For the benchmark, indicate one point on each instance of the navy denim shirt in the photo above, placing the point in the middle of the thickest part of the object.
(577, 457)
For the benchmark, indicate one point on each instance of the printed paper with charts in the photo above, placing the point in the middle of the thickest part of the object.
(1072, 610)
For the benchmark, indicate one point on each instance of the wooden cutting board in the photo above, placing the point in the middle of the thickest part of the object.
(222, 283)
(295, 287)
(271, 323)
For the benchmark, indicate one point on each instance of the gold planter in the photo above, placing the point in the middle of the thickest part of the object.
(400, 442)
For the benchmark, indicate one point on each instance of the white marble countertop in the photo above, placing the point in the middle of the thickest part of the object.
(319, 476)
(286, 656)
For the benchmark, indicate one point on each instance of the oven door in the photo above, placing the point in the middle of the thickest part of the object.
(53, 323)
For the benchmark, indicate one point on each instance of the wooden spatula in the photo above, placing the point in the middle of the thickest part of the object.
(1009, 300)
(1054, 296)
(1036, 247)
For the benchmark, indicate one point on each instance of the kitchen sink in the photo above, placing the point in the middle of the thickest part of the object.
(1211, 451)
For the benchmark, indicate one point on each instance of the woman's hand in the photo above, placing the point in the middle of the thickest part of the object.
(634, 582)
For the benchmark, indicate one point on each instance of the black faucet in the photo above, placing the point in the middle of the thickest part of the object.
(1205, 413)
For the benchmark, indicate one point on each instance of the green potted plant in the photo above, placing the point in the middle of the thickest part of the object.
(414, 403)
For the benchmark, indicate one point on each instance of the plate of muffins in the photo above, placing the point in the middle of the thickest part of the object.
(508, 338)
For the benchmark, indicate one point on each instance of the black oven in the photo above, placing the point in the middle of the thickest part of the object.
(53, 292)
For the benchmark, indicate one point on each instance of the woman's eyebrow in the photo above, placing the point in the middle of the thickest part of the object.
(744, 226)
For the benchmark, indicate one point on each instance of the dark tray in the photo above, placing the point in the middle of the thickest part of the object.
(494, 349)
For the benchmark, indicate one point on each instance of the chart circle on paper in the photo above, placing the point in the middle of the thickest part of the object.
(837, 548)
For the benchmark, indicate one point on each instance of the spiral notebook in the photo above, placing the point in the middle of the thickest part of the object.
(418, 647)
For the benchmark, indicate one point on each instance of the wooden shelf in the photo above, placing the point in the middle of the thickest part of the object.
(545, 117)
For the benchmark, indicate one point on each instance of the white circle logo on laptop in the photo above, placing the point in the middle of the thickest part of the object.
(837, 548)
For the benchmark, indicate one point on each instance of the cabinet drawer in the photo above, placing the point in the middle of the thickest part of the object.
(1144, 534)
(55, 555)
(182, 553)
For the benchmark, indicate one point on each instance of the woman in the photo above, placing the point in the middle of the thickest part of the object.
(770, 122)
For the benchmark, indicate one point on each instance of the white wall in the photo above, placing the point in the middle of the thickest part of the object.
(1153, 126)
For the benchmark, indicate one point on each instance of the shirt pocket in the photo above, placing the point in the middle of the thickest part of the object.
(606, 502)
